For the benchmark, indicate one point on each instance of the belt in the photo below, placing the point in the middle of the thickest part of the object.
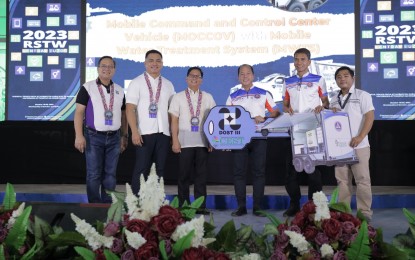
(103, 132)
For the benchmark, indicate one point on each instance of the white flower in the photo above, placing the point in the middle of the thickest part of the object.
(195, 224)
(113, 198)
(16, 213)
(135, 240)
(252, 256)
(326, 251)
(94, 239)
(298, 241)
(322, 206)
(150, 197)
(131, 200)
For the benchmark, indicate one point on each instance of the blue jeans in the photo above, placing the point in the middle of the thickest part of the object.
(101, 154)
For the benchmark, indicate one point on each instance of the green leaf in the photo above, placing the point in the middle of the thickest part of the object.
(41, 231)
(341, 207)
(175, 203)
(409, 216)
(2, 257)
(197, 202)
(85, 253)
(110, 255)
(403, 241)
(393, 253)
(9, 197)
(32, 251)
(334, 196)
(17, 235)
(359, 249)
(270, 229)
(183, 244)
(242, 236)
(273, 219)
(68, 238)
(162, 248)
(225, 239)
(116, 209)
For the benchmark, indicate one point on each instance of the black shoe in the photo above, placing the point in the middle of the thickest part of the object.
(256, 212)
(239, 212)
(203, 212)
(291, 211)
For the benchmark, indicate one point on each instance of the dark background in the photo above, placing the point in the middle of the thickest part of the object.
(43, 152)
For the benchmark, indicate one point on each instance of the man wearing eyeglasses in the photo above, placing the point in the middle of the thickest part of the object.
(188, 110)
(303, 92)
(147, 102)
(101, 130)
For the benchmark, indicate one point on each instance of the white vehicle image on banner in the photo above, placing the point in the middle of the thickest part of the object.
(297, 5)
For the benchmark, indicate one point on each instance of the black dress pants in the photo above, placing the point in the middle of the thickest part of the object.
(292, 180)
(192, 163)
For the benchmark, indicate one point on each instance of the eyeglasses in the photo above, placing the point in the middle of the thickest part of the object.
(106, 67)
(194, 76)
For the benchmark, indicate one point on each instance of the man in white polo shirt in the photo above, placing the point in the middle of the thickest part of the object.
(147, 102)
(255, 100)
(303, 92)
(188, 110)
(358, 104)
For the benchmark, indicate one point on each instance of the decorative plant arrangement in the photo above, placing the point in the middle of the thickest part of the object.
(147, 226)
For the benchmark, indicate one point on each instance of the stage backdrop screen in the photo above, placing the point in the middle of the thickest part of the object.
(44, 59)
(388, 57)
(220, 35)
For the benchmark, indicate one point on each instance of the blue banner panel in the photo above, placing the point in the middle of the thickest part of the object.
(44, 65)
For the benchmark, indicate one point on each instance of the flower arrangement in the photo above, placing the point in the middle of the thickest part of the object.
(148, 226)
(322, 230)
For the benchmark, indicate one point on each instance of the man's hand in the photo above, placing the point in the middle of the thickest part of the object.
(137, 139)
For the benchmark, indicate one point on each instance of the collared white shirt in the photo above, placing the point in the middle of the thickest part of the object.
(304, 93)
(255, 100)
(358, 104)
(139, 95)
(179, 107)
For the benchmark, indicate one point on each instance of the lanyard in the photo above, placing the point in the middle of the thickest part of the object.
(340, 100)
(104, 102)
(150, 90)
(199, 103)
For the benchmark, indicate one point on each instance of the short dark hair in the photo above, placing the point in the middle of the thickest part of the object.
(106, 57)
(246, 65)
(344, 68)
(153, 51)
(195, 68)
(304, 51)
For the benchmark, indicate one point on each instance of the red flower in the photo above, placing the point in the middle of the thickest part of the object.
(300, 219)
(332, 228)
(349, 217)
(309, 207)
(165, 225)
(149, 249)
(137, 225)
(168, 210)
(192, 253)
(310, 233)
(142, 227)
(166, 222)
